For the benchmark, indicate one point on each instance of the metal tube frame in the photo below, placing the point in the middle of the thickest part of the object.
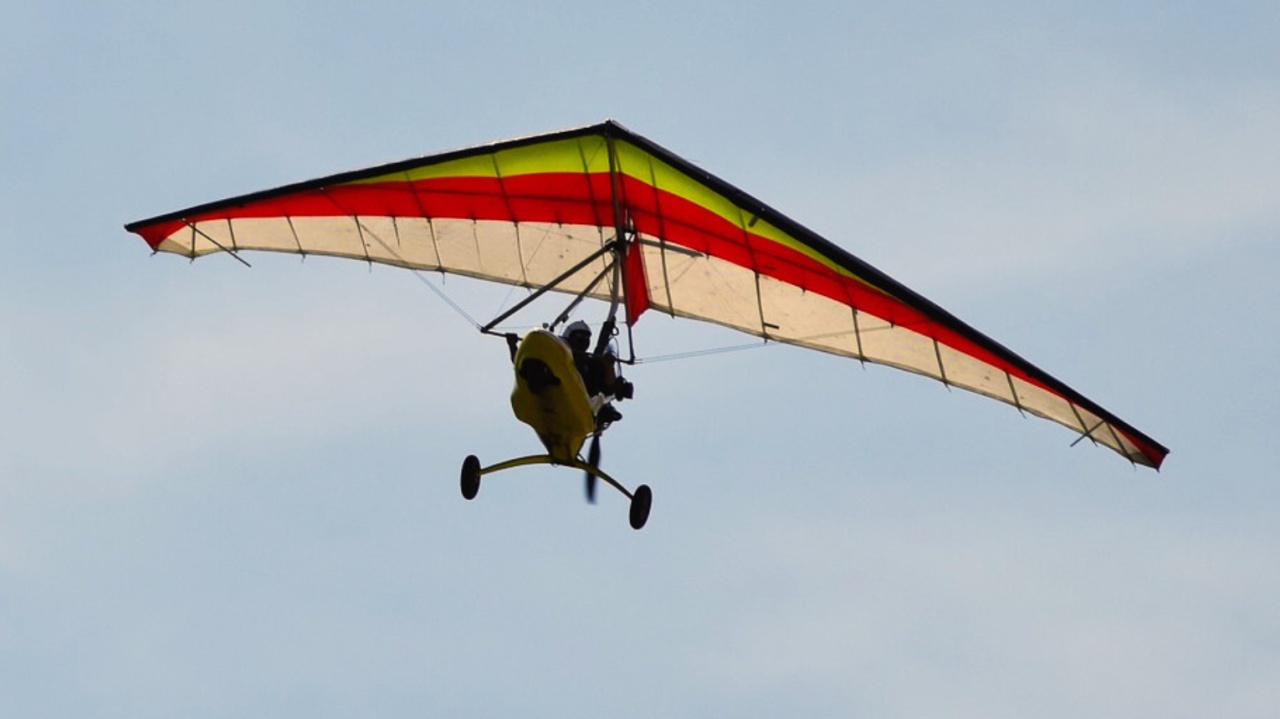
(546, 459)
(611, 246)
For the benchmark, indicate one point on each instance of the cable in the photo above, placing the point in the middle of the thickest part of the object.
(703, 353)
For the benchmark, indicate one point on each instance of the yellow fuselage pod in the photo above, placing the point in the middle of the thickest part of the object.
(549, 395)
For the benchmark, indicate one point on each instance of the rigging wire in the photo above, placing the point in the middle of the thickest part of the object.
(703, 353)
(448, 300)
(420, 274)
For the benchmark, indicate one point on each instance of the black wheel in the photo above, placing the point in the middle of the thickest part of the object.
(641, 501)
(470, 477)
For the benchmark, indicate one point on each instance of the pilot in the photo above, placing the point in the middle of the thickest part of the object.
(599, 372)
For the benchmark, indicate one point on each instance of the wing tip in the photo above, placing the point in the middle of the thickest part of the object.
(1150, 456)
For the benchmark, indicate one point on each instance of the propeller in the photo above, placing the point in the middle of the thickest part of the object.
(593, 459)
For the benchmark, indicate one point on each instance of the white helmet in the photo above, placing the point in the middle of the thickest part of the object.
(576, 326)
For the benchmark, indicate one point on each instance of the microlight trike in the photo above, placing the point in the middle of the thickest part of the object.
(600, 212)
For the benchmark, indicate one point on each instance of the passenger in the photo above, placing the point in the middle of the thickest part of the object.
(599, 372)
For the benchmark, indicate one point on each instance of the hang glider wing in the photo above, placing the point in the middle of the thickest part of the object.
(525, 211)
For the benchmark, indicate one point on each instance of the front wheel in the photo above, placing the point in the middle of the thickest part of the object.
(470, 477)
(641, 502)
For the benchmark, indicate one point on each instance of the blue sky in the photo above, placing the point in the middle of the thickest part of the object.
(234, 491)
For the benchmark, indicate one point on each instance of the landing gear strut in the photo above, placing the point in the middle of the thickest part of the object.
(641, 499)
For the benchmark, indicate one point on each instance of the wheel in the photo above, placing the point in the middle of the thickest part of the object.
(641, 501)
(470, 477)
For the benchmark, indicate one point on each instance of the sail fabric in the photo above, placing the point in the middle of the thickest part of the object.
(525, 211)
